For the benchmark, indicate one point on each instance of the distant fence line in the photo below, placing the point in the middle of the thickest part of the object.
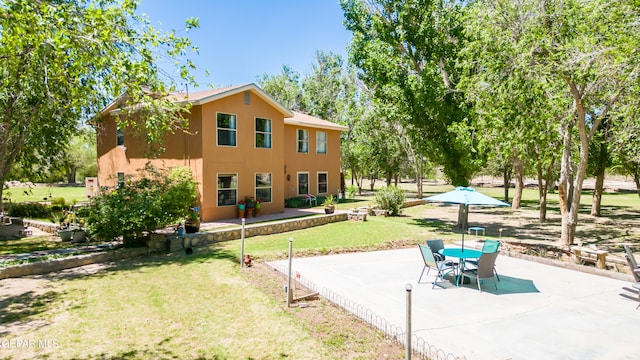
(391, 331)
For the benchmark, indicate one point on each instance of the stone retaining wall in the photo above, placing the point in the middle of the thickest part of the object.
(275, 227)
(41, 225)
(169, 242)
(44, 267)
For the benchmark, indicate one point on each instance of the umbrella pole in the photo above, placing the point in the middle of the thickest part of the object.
(463, 240)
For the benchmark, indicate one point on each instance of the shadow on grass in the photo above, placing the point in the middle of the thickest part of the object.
(21, 308)
(158, 352)
(27, 305)
(199, 255)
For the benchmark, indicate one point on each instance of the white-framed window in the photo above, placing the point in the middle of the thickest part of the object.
(303, 183)
(323, 182)
(321, 142)
(263, 187)
(303, 141)
(263, 133)
(227, 189)
(119, 137)
(227, 128)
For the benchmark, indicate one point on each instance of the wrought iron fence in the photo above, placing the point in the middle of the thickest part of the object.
(419, 346)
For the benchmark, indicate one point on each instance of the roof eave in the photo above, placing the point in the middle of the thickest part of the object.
(333, 126)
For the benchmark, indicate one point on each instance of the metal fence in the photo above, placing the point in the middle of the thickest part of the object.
(419, 346)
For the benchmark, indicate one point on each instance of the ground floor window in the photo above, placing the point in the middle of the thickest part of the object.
(323, 183)
(120, 180)
(263, 187)
(227, 189)
(303, 183)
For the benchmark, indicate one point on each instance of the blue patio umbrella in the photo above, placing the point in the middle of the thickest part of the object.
(466, 196)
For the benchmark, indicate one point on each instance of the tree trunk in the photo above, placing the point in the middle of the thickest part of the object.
(463, 216)
(602, 160)
(71, 174)
(566, 236)
(506, 180)
(517, 196)
(419, 173)
(597, 194)
(544, 182)
(542, 195)
(636, 179)
(389, 178)
(570, 220)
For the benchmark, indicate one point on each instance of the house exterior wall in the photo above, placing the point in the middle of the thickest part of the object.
(244, 159)
(199, 150)
(182, 149)
(312, 162)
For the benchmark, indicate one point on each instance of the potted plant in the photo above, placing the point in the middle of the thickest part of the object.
(192, 221)
(241, 208)
(258, 205)
(251, 205)
(329, 204)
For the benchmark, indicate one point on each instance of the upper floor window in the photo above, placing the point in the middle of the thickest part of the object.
(263, 133)
(321, 142)
(226, 129)
(263, 187)
(119, 137)
(227, 189)
(303, 141)
(323, 184)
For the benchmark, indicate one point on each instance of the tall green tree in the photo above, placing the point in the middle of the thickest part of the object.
(324, 87)
(284, 87)
(517, 118)
(581, 55)
(80, 156)
(63, 61)
(406, 53)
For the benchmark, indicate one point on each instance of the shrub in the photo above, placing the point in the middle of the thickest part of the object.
(157, 199)
(390, 198)
(352, 190)
(58, 203)
(29, 210)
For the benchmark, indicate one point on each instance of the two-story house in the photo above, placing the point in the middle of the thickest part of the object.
(241, 142)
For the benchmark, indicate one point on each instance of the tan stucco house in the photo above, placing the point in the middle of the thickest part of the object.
(241, 142)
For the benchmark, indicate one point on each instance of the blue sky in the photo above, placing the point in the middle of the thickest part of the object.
(240, 40)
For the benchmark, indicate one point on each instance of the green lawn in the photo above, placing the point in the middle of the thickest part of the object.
(201, 306)
(162, 307)
(30, 244)
(71, 194)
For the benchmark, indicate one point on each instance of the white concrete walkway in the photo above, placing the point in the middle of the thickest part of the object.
(538, 312)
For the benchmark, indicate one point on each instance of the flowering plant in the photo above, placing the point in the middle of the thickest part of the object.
(258, 201)
(241, 202)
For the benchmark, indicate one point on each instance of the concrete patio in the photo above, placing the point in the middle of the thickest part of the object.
(538, 312)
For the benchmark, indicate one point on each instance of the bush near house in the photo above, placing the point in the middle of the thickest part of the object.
(31, 210)
(155, 199)
(390, 198)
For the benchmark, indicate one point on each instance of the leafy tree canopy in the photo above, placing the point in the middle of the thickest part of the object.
(62, 61)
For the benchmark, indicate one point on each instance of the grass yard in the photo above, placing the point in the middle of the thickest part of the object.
(30, 244)
(376, 233)
(71, 194)
(203, 306)
(162, 307)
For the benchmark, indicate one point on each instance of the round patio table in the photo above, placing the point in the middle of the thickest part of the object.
(462, 254)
